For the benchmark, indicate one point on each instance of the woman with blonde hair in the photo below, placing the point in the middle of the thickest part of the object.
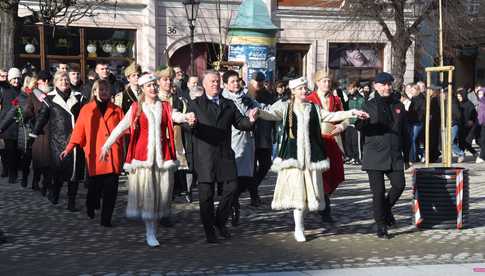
(96, 121)
(151, 158)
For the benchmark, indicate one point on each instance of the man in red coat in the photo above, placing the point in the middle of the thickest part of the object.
(324, 98)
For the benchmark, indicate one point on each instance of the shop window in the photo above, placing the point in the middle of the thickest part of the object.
(355, 61)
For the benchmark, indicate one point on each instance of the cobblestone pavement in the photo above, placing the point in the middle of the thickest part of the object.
(49, 240)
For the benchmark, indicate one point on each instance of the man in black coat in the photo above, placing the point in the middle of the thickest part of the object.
(214, 160)
(386, 150)
(59, 114)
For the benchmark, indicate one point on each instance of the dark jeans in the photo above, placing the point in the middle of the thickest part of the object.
(209, 216)
(102, 186)
(465, 133)
(352, 143)
(382, 204)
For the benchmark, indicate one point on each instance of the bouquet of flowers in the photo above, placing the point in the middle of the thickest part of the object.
(23, 131)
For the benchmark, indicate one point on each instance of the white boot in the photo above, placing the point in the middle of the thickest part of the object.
(151, 229)
(299, 227)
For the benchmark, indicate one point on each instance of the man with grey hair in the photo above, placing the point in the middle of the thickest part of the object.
(214, 160)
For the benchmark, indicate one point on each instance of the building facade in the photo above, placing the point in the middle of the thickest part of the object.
(313, 35)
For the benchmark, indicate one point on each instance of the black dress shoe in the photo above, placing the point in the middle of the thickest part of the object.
(210, 235)
(382, 232)
(223, 232)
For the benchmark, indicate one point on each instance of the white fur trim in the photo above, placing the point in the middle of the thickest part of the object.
(303, 146)
(279, 164)
(323, 165)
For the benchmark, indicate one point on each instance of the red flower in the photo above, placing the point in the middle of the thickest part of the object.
(398, 110)
(15, 102)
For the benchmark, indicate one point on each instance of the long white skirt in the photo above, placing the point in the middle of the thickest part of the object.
(149, 193)
(299, 189)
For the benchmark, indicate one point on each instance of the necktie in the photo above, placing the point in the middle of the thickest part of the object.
(215, 100)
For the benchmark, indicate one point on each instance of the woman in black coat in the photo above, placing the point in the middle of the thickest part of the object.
(59, 114)
(23, 127)
(10, 133)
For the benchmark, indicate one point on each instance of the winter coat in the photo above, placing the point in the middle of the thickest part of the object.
(264, 130)
(91, 131)
(417, 109)
(6, 98)
(214, 159)
(386, 135)
(60, 116)
(40, 147)
(242, 142)
(355, 102)
(11, 117)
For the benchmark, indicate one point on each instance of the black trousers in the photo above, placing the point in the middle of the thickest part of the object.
(262, 165)
(103, 186)
(465, 133)
(209, 216)
(3, 156)
(12, 154)
(55, 190)
(25, 160)
(352, 143)
(381, 202)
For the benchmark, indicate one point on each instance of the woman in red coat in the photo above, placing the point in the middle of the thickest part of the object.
(96, 121)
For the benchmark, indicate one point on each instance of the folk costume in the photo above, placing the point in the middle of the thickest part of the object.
(302, 156)
(335, 175)
(150, 160)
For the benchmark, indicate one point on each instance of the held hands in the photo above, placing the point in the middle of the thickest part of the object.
(253, 114)
(360, 114)
(190, 118)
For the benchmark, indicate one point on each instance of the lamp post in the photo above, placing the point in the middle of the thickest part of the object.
(191, 10)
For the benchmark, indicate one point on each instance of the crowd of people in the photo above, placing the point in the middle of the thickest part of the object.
(172, 133)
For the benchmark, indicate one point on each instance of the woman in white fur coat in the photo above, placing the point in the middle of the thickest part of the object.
(151, 158)
(301, 154)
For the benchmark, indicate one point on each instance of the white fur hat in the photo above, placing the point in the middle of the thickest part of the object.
(146, 79)
(292, 84)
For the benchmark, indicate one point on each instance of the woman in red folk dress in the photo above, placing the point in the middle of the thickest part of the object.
(325, 99)
(151, 155)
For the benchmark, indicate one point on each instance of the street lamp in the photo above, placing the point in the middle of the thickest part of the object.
(191, 10)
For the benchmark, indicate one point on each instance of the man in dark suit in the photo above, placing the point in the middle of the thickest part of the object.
(214, 160)
(386, 150)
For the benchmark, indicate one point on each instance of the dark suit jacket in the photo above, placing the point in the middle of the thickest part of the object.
(386, 135)
(214, 160)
